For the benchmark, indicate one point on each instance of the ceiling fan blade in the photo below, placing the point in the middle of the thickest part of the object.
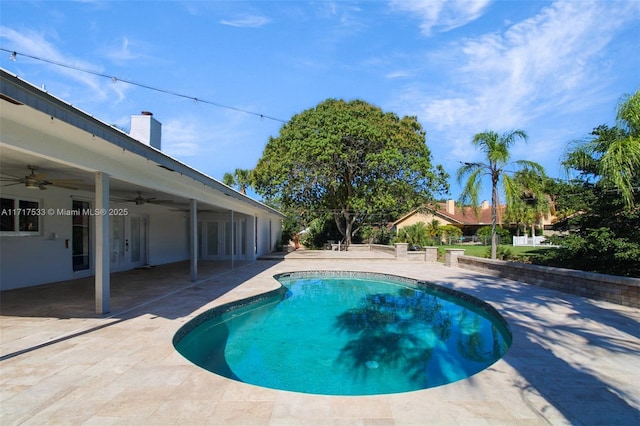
(64, 186)
(140, 200)
(7, 177)
(66, 181)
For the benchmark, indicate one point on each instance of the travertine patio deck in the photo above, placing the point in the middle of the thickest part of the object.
(573, 360)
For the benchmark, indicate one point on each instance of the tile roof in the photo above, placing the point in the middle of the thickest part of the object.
(467, 216)
(462, 216)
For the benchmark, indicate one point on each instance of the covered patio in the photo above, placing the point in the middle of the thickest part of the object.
(82, 198)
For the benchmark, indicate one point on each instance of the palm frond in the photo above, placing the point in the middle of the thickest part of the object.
(472, 187)
(618, 166)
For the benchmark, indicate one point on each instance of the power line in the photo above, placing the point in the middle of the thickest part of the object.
(14, 54)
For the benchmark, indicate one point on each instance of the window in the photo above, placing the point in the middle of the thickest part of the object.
(80, 236)
(7, 218)
(20, 216)
(29, 218)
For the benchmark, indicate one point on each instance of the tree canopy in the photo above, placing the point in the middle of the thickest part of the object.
(349, 160)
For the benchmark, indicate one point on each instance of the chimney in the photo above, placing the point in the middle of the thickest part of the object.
(146, 129)
(485, 204)
(451, 207)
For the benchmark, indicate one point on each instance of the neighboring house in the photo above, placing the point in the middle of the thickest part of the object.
(82, 198)
(447, 213)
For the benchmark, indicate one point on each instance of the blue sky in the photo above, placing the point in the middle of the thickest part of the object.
(555, 69)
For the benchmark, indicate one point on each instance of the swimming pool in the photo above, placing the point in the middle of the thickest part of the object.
(347, 333)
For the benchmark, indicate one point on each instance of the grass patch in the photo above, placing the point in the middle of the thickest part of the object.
(520, 253)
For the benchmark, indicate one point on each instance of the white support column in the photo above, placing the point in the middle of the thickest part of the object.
(251, 238)
(193, 214)
(233, 239)
(102, 245)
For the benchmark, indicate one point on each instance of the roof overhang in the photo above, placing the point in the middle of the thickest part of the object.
(39, 129)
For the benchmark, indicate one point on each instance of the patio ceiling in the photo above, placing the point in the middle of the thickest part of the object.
(15, 163)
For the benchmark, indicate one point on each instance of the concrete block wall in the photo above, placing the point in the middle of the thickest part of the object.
(431, 254)
(402, 251)
(616, 289)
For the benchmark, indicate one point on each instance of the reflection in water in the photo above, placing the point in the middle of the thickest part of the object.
(394, 330)
(471, 344)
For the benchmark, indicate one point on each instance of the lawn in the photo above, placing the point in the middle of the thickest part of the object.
(519, 252)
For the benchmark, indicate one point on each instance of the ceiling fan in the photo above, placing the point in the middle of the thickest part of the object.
(38, 181)
(140, 200)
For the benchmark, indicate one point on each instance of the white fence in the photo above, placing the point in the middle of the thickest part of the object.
(528, 241)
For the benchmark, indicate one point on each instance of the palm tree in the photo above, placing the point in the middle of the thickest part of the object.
(415, 235)
(496, 149)
(533, 203)
(433, 229)
(241, 179)
(613, 155)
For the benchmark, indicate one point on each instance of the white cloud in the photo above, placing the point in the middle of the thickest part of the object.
(347, 14)
(541, 63)
(544, 74)
(442, 15)
(219, 141)
(182, 137)
(190, 136)
(400, 74)
(246, 21)
(36, 45)
(124, 51)
(549, 62)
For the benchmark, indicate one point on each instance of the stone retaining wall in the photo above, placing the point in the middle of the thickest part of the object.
(401, 252)
(612, 288)
(382, 248)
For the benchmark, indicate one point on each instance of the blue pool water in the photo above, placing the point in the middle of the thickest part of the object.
(356, 334)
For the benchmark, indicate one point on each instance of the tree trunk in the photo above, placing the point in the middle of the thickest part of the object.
(494, 218)
(347, 228)
(337, 219)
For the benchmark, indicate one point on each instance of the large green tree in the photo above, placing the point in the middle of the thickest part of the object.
(350, 160)
(601, 205)
(498, 168)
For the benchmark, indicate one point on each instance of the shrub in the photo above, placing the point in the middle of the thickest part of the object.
(502, 253)
(484, 234)
(415, 235)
